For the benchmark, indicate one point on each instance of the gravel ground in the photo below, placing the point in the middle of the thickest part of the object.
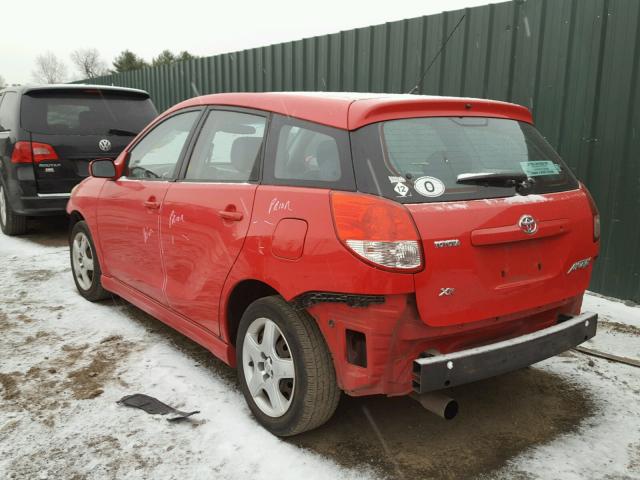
(65, 362)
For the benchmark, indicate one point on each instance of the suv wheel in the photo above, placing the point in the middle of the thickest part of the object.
(285, 368)
(10, 223)
(84, 264)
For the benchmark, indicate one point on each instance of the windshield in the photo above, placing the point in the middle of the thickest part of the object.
(86, 112)
(419, 159)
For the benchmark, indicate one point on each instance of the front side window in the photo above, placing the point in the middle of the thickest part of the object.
(227, 148)
(420, 159)
(308, 154)
(158, 153)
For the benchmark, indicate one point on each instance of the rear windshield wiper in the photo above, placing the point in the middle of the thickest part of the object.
(497, 179)
(521, 181)
(117, 131)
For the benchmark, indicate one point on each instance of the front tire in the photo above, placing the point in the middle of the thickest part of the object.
(285, 368)
(85, 265)
(10, 223)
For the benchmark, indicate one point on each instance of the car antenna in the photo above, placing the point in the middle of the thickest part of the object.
(420, 79)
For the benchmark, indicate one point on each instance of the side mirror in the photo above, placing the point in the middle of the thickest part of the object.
(103, 168)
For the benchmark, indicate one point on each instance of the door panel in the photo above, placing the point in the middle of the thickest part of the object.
(129, 231)
(129, 208)
(203, 227)
(204, 224)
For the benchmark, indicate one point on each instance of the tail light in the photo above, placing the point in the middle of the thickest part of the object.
(594, 212)
(22, 153)
(28, 152)
(377, 230)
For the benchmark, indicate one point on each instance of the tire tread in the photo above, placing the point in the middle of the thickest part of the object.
(96, 292)
(322, 395)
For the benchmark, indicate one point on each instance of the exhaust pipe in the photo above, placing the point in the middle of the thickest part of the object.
(438, 403)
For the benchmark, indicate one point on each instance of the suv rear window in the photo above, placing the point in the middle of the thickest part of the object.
(419, 159)
(86, 112)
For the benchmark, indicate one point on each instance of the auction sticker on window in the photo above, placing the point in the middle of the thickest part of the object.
(429, 186)
(536, 168)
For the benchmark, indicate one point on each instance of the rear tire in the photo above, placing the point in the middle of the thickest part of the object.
(279, 347)
(85, 265)
(10, 223)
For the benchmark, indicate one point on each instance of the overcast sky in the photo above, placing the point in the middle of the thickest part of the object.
(31, 27)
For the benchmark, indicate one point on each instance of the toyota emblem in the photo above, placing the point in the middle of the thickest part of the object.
(528, 224)
(105, 145)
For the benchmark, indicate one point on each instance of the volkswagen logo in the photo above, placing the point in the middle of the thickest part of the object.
(105, 145)
(528, 224)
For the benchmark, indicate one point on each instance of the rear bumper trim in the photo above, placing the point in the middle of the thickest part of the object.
(54, 195)
(465, 366)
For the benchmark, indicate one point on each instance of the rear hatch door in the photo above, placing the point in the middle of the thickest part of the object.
(481, 262)
(492, 248)
(80, 125)
(74, 153)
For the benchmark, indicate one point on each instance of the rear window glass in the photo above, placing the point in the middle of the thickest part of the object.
(307, 154)
(89, 112)
(418, 160)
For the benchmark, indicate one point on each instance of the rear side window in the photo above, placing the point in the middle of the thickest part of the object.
(303, 153)
(227, 148)
(8, 109)
(418, 160)
(86, 112)
(157, 154)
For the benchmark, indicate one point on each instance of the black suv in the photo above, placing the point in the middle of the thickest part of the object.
(48, 136)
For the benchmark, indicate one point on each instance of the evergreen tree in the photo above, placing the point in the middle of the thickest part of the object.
(127, 60)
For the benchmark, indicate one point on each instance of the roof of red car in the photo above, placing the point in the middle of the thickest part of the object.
(350, 110)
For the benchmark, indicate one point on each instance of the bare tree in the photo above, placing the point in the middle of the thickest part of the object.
(49, 69)
(89, 63)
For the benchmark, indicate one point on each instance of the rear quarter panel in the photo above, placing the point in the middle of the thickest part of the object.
(325, 264)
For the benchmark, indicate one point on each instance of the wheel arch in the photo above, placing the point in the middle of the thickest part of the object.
(74, 217)
(240, 297)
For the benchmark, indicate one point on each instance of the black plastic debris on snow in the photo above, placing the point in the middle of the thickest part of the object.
(154, 406)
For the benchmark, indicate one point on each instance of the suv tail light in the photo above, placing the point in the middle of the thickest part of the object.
(377, 230)
(594, 212)
(22, 153)
(28, 152)
(43, 152)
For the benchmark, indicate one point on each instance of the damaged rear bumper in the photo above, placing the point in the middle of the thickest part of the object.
(465, 366)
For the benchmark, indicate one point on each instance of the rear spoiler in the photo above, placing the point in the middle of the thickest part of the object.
(97, 89)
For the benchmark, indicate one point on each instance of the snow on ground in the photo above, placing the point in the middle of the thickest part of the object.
(64, 362)
(100, 439)
(606, 445)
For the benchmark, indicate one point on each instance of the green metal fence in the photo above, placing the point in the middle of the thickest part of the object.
(575, 63)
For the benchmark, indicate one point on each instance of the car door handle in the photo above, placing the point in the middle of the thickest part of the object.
(152, 204)
(231, 215)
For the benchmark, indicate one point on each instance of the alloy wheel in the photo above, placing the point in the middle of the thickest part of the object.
(268, 367)
(3, 206)
(83, 261)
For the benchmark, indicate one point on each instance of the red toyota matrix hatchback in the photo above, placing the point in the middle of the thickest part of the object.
(328, 242)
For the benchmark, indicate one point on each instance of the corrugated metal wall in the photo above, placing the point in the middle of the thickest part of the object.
(573, 62)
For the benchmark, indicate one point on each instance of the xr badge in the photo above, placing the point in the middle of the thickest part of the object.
(447, 292)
